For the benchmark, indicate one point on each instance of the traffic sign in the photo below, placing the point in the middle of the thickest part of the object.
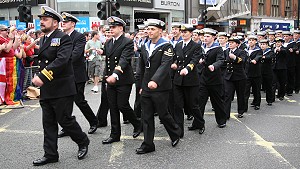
(193, 21)
(233, 22)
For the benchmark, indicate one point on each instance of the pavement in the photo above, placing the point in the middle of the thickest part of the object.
(266, 139)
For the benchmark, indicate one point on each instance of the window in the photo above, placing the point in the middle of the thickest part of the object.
(288, 9)
(261, 7)
(275, 8)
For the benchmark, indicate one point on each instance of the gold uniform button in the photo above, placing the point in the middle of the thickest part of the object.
(39, 61)
(46, 61)
(115, 57)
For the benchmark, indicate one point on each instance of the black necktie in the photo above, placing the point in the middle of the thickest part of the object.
(184, 45)
(44, 40)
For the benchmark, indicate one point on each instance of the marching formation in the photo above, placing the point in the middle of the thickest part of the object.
(174, 74)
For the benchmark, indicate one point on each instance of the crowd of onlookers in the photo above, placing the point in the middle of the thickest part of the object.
(18, 46)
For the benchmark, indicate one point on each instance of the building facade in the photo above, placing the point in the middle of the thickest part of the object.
(133, 12)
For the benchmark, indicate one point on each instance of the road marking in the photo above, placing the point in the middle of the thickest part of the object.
(117, 150)
(274, 144)
(4, 111)
(292, 101)
(267, 145)
(286, 116)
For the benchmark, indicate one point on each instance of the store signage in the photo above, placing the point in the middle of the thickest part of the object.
(6, 23)
(169, 4)
(137, 3)
(16, 3)
(275, 26)
(208, 2)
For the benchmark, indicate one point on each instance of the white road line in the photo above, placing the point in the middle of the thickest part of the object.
(267, 145)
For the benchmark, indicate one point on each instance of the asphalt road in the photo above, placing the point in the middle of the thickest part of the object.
(265, 139)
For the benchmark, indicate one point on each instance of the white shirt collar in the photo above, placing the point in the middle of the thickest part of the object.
(49, 34)
(186, 43)
(71, 32)
(114, 39)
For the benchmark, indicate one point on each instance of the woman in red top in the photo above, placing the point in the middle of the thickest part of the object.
(29, 47)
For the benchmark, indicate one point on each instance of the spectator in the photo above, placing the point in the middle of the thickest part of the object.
(93, 48)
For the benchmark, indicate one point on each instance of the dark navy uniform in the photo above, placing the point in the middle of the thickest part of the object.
(253, 72)
(280, 72)
(79, 67)
(235, 80)
(211, 82)
(57, 93)
(186, 87)
(291, 70)
(267, 62)
(118, 61)
(156, 66)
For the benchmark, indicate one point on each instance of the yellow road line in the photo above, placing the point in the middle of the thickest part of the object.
(267, 145)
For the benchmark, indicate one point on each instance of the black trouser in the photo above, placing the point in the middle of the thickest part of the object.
(215, 93)
(60, 111)
(290, 86)
(279, 82)
(157, 102)
(171, 104)
(137, 102)
(83, 105)
(268, 81)
(103, 108)
(297, 76)
(230, 88)
(187, 96)
(118, 100)
(255, 83)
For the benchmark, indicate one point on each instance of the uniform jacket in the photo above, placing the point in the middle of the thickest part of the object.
(56, 69)
(157, 66)
(254, 70)
(118, 59)
(281, 59)
(212, 56)
(268, 62)
(187, 57)
(291, 55)
(78, 59)
(235, 68)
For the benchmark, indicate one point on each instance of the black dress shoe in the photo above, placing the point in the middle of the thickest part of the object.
(102, 125)
(175, 142)
(143, 150)
(135, 134)
(256, 108)
(281, 98)
(269, 104)
(110, 140)
(240, 115)
(201, 131)
(221, 125)
(44, 160)
(191, 128)
(82, 152)
(62, 133)
(92, 129)
(126, 122)
(189, 117)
